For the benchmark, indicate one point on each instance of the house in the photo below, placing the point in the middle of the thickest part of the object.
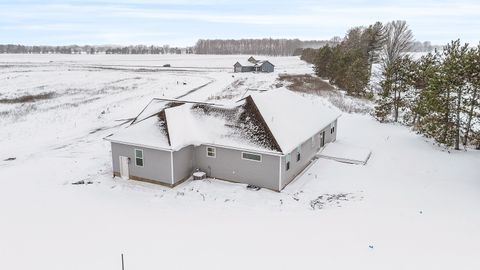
(265, 139)
(253, 65)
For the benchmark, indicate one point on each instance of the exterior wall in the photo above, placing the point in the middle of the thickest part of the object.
(229, 165)
(267, 67)
(240, 68)
(247, 68)
(156, 167)
(331, 137)
(237, 68)
(308, 151)
(183, 163)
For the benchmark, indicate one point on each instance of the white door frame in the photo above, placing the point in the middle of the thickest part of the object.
(123, 164)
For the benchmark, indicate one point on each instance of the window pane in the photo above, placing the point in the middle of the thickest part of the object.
(139, 161)
(211, 151)
(138, 154)
(252, 156)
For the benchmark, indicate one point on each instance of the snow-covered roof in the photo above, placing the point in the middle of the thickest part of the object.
(276, 121)
(183, 124)
(148, 133)
(245, 63)
(253, 63)
(292, 118)
(155, 106)
(261, 62)
(192, 124)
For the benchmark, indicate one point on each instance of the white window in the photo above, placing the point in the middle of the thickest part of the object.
(287, 161)
(211, 152)
(139, 157)
(332, 128)
(251, 156)
(299, 153)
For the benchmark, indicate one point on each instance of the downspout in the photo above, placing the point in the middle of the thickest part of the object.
(279, 173)
(171, 167)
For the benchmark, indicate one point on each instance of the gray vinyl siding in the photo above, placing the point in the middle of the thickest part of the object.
(229, 165)
(307, 153)
(267, 67)
(157, 163)
(183, 163)
(239, 68)
(247, 68)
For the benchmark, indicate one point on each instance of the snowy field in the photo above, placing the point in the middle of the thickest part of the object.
(414, 205)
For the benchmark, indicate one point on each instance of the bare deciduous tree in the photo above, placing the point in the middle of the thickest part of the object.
(399, 40)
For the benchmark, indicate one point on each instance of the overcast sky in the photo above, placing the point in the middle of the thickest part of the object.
(182, 22)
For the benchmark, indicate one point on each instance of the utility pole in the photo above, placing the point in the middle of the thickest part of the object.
(123, 266)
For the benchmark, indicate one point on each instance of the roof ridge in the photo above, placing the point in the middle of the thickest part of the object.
(163, 117)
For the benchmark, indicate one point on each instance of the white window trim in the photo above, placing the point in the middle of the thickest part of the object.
(214, 151)
(261, 158)
(143, 157)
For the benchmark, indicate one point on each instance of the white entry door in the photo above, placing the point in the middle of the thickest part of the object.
(124, 167)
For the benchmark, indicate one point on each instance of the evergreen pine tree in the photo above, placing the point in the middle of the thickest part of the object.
(397, 81)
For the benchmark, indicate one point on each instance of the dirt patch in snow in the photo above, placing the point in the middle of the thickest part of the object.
(230, 92)
(305, 83)
(27, 98)
(332, 200)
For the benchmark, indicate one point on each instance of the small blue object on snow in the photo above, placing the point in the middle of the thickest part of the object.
(370, 246)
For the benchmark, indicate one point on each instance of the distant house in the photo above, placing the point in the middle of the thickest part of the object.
(265, 139)
(253, 65)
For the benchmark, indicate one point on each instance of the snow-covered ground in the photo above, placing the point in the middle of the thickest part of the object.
(414, 205)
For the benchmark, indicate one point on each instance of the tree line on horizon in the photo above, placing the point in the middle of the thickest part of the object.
(264, 46)
(90, 49)
(437, 94)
